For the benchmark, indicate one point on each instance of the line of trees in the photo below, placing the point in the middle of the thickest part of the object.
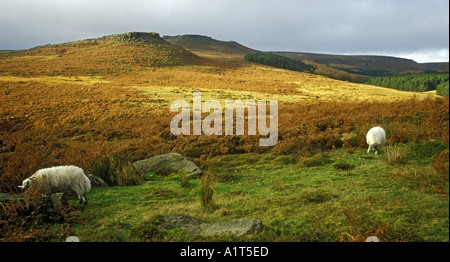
(324, 70)
(279, 61)
(414, 82)
(442, 89)
(411, 82)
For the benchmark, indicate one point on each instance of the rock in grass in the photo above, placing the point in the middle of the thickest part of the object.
(236, 228)
(96, 181)
(190, 225)
(187, 224)
(170, 163)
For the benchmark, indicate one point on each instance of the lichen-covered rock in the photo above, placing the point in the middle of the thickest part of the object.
(190, 225)
(236, 228)
(174, 162)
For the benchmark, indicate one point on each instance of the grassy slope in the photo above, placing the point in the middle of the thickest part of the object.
(297, 199)
(204, 43)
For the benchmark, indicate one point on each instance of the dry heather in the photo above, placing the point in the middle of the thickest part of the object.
(78, 102)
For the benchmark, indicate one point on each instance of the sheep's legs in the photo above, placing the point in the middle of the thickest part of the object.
(374, 149)
(83, 199)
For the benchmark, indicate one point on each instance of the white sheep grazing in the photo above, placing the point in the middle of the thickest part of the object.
(60, 179)
(375, 137)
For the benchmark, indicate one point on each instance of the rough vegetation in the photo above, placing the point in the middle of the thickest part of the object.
(102, 104)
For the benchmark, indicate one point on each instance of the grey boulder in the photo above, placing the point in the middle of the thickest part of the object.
(190, 225)
(174, 162)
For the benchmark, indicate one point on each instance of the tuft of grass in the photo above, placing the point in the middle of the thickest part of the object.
(128, 176)
(395, 154)
(116, 171)
(206, 189)
(184, 181)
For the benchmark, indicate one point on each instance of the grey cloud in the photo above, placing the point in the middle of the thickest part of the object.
(351, 26)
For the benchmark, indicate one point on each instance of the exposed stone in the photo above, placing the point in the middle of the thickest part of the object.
(190, 225)
(96, 181)
(144, 37)
(237, 228)
(174, 162)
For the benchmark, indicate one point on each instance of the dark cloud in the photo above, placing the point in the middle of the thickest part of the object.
(411, 28)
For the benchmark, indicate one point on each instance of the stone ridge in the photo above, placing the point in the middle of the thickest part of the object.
(143, 37)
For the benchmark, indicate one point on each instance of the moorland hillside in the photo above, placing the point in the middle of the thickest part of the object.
(105, 103)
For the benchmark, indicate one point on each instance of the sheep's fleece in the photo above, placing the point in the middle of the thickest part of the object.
(375, 137)
(60, 179)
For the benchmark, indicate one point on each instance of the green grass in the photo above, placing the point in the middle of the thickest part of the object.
(294, 200)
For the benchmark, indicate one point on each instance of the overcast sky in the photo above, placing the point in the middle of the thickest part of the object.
(416, 29)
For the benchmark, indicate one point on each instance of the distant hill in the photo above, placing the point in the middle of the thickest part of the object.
(343, 67)
(368, 65)
(206, 43)
(115, 53)
(107, 55)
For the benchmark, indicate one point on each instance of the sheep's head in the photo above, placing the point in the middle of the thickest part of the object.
(25, 184)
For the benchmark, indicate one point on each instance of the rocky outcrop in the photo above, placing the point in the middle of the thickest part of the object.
(190, 225)
(143, 37)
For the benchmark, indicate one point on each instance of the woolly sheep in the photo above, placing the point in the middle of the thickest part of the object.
(375, 137)
(60, 179)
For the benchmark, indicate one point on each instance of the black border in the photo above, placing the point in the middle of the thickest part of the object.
(275, 250)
